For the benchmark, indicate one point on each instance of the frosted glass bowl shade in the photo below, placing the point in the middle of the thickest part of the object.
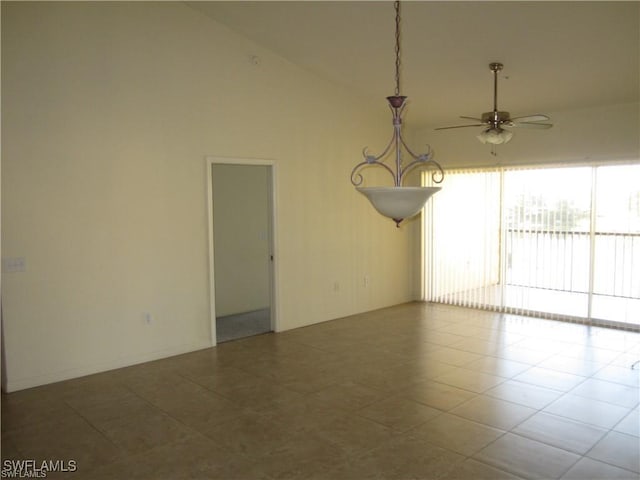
(495, 136)
(398, 203)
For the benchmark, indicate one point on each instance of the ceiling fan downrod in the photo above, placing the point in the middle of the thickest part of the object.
(495, 68)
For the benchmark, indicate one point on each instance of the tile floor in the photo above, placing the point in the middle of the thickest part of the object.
(416, 391)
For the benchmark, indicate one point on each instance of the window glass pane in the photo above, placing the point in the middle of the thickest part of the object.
(547, 223)
(617, 244)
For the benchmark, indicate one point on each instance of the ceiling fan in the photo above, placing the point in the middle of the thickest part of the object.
(494, 122)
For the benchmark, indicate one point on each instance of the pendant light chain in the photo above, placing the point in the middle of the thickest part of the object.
(397, 7)
(397, 202)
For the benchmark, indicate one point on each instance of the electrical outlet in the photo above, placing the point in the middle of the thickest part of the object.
(148, 318)
(367, 280)
(14, 264)
(336, 287)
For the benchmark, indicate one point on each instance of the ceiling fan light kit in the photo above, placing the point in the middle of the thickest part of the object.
(397, 202)
(495, 136)
(494, 122)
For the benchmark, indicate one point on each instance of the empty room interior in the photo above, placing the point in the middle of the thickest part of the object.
(320, 240)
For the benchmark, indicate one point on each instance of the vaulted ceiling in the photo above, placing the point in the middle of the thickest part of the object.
(558, 56)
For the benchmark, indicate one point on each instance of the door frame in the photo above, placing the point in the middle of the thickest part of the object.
(273, 237)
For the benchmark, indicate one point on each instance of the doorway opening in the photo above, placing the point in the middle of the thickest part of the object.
(241, 227)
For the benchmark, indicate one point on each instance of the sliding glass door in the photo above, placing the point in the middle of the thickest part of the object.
(616, 245)
(557, 242)
(464, 265)
(546, 236)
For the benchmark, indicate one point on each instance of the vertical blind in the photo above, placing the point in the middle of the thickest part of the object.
(558, 242)
(464, 255)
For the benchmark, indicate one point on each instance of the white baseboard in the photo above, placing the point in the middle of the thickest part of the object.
(14, 385)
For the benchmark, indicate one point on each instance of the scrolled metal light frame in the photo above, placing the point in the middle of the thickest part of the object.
(397, 106)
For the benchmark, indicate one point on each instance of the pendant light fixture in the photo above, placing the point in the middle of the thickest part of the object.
(397, 202)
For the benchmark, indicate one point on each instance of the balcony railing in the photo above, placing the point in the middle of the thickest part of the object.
(561, 260)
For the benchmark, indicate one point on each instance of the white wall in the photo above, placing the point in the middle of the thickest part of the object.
(108, 110)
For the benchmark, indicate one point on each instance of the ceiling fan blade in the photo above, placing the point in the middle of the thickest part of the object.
(471, 118)
(460, 126)
(531, 118)
(540, 126)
